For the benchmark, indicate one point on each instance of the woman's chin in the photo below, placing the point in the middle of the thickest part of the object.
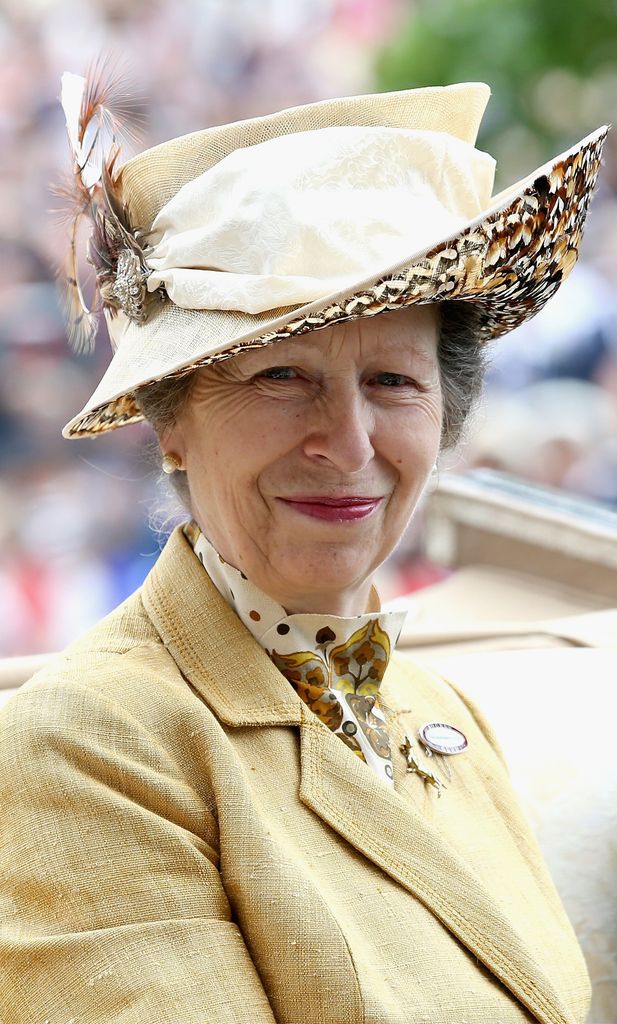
(333, 572)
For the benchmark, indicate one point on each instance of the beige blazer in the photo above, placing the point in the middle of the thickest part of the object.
(184, 842)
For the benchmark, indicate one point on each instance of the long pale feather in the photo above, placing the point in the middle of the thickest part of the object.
(101, 109)
(110, 113)
(81, 320)
(72, 202)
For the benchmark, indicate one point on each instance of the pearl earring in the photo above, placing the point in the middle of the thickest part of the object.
(170, 464)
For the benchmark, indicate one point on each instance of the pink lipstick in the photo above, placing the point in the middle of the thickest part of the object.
(345, 509)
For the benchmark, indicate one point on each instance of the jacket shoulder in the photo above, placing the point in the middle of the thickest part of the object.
(121, 663)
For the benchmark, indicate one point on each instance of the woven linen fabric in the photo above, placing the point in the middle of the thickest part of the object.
(183, 841)
(334, 663)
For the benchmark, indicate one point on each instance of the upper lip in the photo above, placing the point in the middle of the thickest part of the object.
(341, 499)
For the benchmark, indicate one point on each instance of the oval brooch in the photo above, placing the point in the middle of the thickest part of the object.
(443, 738)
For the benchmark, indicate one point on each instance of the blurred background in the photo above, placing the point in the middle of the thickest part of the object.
(74, 533)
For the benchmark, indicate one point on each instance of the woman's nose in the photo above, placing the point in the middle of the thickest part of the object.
(340, 429)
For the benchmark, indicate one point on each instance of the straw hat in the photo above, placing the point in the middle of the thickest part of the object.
(240, 235)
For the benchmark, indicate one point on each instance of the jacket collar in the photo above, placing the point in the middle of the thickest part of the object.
(199, 628)
(237, 680)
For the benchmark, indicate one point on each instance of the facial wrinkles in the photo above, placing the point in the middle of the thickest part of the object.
(232, 388)
(228, 391)
(328, 430)
(335, 429)
(247, 524)
(345, 405)
(217, 400)
(219, 405)
(389, 340)
(389, 334)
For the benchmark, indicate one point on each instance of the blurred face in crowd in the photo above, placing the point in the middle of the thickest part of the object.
(306, 458)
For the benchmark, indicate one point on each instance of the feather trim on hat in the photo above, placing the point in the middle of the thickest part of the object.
(101, 111)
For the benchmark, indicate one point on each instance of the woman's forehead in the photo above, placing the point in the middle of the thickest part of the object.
(407, 333)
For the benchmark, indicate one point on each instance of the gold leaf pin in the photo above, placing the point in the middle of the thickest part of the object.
(413, 765)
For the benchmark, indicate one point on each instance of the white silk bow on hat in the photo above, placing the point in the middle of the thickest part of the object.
(303, 215)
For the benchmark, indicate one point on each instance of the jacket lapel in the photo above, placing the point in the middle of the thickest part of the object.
(210, 645)
(235, 677)
(409, 849)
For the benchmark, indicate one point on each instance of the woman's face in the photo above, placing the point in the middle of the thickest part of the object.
(306, 458)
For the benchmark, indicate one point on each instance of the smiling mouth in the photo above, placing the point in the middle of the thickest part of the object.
(342, 509)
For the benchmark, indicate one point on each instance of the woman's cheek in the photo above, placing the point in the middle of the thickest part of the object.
(414, 434)
(419, 429)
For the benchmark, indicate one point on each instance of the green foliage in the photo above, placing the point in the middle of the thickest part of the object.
(513, 45)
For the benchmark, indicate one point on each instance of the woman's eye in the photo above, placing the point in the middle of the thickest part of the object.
(392, 380)
(279, 373)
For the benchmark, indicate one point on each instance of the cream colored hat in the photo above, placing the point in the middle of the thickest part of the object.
(244, 234)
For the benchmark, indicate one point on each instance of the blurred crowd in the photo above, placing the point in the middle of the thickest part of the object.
(75, 537)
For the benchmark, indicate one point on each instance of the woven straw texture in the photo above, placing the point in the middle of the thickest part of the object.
(183, 841)
(509, 261)
(150, 179)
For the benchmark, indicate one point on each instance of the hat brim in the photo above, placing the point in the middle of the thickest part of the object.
(508, 261)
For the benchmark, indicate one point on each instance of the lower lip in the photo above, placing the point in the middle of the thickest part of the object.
(334, 513)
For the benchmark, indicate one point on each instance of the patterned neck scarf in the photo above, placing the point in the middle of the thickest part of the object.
(334, 663)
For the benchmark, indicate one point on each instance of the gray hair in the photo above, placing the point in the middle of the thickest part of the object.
(462, 365)
(463, 362)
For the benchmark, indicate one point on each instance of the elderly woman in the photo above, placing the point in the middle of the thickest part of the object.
(229, 801)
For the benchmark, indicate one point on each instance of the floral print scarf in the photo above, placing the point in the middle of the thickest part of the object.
(335, 664)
